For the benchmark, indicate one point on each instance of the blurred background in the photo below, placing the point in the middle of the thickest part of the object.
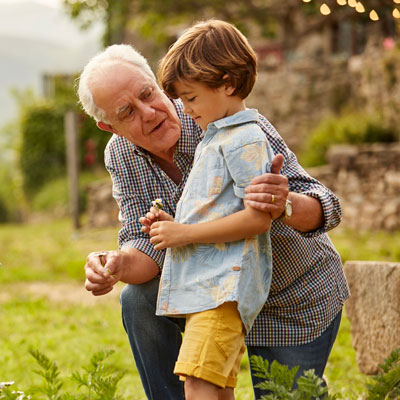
(329, 81)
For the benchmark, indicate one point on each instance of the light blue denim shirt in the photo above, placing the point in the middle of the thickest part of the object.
(200, 277)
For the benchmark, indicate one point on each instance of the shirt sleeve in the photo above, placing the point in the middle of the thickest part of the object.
(132, 206)
(301, 182)
(247, 158)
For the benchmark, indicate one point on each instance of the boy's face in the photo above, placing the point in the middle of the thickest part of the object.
(205, 104)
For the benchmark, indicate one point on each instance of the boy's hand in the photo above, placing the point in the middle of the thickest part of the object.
(152, 216)
(169, 234)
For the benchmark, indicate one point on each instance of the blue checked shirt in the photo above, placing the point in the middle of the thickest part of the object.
(308, 285)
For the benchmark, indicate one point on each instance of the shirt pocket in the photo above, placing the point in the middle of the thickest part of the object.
(209, 178)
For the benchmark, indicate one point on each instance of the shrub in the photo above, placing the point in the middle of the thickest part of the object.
(42, 154)
(351, 128)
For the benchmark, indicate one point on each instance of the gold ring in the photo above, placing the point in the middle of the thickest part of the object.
(273, 198)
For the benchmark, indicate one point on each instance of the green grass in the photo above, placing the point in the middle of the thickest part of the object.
(69, 332)
(49, 251)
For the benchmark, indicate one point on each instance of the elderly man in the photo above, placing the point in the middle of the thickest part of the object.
(149, 156)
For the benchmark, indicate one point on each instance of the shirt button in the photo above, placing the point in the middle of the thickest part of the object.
(236, 268)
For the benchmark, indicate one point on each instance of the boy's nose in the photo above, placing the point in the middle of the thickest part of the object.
(186, 109)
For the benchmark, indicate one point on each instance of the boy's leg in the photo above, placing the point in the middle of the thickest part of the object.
(154, 340)
(313, 355)
(198, 389)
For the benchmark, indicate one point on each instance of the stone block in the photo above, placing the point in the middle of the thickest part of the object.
(373, 310)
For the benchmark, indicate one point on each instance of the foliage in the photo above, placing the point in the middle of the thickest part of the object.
(386, 384)
(279, 382)
(100, 381)
(273, 19)
(42, 155)
(349, 128)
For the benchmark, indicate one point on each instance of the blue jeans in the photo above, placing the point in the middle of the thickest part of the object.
(155, 343)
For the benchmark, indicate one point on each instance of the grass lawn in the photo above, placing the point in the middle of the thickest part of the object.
(68, 325)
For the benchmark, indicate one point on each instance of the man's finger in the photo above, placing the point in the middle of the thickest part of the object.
(277, 164)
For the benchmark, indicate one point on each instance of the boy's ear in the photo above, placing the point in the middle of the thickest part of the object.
(106, 127)
(229, 89)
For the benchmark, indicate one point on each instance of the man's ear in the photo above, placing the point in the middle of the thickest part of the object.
(229, 89)
(106, 127)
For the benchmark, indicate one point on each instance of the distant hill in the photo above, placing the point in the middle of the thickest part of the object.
(37, 39)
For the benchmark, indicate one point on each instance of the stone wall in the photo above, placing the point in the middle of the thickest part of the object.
(366, 178)
(374, 311)
(298, 94)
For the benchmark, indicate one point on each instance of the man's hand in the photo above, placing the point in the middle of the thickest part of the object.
(103, 270)
(153, 216)
(269, 192)
(169, 234)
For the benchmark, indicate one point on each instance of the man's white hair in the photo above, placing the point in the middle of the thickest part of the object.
(116, 53)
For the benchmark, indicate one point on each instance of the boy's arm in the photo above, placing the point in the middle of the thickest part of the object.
(237, 226)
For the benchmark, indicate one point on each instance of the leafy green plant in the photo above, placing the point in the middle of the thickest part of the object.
(350, 128)
(279, 382)
(386, 384)
(99, 380)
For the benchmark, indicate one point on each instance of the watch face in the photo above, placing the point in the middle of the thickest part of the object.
(288, 209)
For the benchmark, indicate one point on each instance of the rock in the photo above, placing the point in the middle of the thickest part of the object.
(102, 209)
(373, 310)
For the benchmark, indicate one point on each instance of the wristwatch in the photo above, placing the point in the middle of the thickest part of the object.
(288, 211)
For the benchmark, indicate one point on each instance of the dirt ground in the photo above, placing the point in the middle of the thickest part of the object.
(73, 293)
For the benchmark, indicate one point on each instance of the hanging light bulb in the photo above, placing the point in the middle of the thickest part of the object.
(324, 9)
(342, 2)
(306, 1)
(396, 1)
(374, 15)
(352, 3)
(360, 8)
(396, 13)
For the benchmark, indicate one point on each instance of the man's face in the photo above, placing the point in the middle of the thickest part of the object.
(136, 108)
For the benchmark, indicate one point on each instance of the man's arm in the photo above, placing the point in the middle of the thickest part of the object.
(307, 212)
(315, 196)
(239, 225)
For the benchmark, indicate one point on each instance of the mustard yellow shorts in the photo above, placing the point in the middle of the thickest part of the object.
(213, 346)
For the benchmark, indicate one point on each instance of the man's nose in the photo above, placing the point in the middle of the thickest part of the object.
(147, 111)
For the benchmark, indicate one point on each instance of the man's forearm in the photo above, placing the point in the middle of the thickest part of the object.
(137, 267)
(307, 213)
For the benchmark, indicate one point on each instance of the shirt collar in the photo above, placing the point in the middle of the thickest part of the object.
(241, 117)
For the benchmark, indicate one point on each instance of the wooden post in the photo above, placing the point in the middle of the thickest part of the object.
(71, 139)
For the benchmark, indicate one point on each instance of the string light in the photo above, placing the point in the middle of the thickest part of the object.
(342, 2)
(396, 1)
(360, 8)
(396, 13)
(352, 3)
(324, 9)
(306, 1)
(374, 15)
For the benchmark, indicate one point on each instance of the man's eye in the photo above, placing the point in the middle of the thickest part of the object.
(147, 94)
(127, 113)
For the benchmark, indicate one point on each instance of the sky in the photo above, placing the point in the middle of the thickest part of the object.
(37, 37)
(51, 3)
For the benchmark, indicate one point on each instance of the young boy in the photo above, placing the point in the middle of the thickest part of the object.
(218, 265)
